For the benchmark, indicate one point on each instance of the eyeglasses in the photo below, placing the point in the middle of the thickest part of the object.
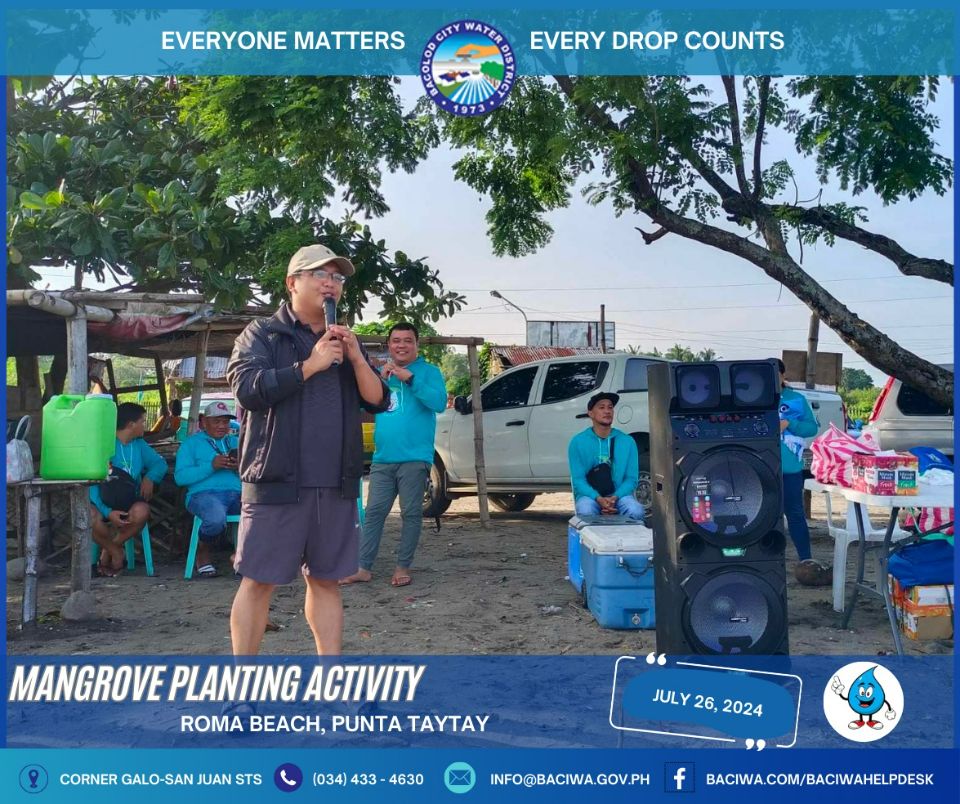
(320, 274)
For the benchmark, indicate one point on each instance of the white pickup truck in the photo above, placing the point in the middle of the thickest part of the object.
(531, 412)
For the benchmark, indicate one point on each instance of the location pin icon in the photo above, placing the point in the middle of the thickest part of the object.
(33, 775)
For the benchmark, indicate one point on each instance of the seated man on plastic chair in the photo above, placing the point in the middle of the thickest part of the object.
(604, 464)
(207, 466)
(122, 500)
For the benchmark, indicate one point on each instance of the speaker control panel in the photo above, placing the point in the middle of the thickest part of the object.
(720, 426)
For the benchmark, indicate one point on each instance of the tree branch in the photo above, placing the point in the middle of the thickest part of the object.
(764, 93)
(734, 108)
(651, 237)
(909, 264)
(867, 341)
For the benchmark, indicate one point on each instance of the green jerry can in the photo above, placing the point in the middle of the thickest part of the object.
(79, 436)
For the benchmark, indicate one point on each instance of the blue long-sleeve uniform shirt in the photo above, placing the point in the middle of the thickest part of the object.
(194, 467)
(138, 459)
(406, 430)
(587, 450)
(801, 423)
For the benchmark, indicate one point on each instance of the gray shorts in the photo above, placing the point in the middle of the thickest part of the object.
(317, 536)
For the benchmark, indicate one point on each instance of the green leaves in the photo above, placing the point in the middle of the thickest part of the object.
(871, 132)
(32, 201)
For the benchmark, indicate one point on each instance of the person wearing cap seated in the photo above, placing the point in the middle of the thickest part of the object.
(122, 501)
(604, 464)
(207, 466)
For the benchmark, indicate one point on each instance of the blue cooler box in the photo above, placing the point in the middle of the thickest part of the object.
(576, 524)
(574, 571)
(617, 564)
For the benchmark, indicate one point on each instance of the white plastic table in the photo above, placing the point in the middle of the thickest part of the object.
(929, 497)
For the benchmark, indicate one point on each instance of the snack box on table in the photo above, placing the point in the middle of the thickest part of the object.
(888, 475)
(618, 575)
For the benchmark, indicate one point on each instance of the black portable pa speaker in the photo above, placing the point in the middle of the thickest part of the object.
(717, 508)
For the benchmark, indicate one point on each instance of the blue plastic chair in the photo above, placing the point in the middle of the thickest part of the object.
(131, 551)
(232, 519)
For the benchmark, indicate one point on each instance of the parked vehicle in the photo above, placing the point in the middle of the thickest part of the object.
(904, 417)
(828, 408)
(530, 413)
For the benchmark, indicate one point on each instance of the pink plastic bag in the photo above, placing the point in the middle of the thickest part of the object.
(932, 520)
(833, 453)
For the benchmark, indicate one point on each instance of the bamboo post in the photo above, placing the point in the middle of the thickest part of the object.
(28, 615)
(78, 381)
(813, 340)
(199, 370)
(478, 435)
(80, 526)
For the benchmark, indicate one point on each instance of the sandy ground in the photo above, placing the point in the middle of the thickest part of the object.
(475, 591)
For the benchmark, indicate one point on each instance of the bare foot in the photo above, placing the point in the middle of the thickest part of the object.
(401, 577)
(360, 576)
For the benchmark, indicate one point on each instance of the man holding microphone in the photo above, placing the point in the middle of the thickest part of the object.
(302, 379)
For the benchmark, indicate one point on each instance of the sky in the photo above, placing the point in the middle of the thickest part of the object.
(674, 291)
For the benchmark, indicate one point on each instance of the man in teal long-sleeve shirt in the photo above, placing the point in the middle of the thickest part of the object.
(207, 466)
(602, 443)
(403, 436)
(128, 508)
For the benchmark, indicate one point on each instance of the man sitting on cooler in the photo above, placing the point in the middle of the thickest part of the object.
(604, 465)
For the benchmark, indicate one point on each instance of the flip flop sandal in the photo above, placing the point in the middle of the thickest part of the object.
(401, 580)
(207, 571)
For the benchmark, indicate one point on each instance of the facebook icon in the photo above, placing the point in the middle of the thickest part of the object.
(679, 777)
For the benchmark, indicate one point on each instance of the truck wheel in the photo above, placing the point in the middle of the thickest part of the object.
(512, 502)
(435, 499)
(644, 492)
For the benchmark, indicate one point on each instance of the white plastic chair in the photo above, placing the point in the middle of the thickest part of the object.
(844, 537)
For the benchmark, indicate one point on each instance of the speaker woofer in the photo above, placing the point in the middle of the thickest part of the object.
(732, 611)
(698, 387)
(730, 497)
(754, 385)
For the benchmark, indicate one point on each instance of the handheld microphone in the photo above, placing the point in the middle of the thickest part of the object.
(330, 314)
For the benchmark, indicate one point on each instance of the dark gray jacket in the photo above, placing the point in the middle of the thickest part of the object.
(266, 385)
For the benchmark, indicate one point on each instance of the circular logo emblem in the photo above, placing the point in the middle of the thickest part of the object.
(459, 777)
(863, 702)
(33, 779)
(468, 68)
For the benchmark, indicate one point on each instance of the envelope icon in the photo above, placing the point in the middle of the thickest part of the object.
(460, 776)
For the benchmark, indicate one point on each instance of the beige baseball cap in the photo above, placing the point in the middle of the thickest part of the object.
(216, 408)
(316, 255)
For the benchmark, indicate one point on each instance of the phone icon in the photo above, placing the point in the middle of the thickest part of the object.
(288, 777)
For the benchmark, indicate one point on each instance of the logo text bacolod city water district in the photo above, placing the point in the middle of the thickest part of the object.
(468, 68)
